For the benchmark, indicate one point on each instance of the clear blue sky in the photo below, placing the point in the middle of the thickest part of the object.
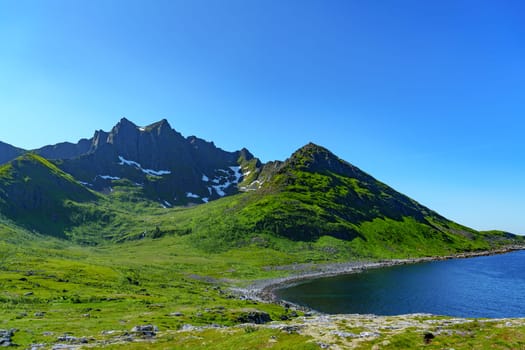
(427, 96)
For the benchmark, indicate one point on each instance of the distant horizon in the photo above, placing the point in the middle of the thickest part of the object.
(426, 97)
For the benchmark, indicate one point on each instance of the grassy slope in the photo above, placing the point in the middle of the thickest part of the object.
(84, 291)
(39, 196)
(175, 260)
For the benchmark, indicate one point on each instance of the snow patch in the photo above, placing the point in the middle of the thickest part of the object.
(108, 177)
(192, 195)
(205, 199)
(124, 161)
(205, 178)
(141, 128)
(156, 172)
(168, 204)
(237, 173)
(224, 178)
(219, 190)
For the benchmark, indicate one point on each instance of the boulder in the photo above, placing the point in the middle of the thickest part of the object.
(257, 317)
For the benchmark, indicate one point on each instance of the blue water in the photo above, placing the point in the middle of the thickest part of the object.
(489, 286)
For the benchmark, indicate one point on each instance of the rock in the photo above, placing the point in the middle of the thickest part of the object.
(5, 337)
(187, 327)
(71, 339)
(291, 329)
(39, 314)
(369, 334)
(257, 317)
(176, 314)
(345, 334)
(28, 294)
(147, 330)
(427, 338)
(64, 347)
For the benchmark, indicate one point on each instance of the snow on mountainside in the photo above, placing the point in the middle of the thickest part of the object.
(165, 164)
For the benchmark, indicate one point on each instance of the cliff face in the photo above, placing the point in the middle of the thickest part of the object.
(169, 167)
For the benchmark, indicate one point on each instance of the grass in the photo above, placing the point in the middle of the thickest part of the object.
(76, 262)
(50, 287)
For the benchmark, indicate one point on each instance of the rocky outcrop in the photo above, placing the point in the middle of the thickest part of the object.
(170, 168)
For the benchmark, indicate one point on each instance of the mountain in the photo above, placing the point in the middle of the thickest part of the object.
(38, 195)
(90, 246)
(65, 150)
(167, 166)
(8, 152)
(314, 194)
(114, 190)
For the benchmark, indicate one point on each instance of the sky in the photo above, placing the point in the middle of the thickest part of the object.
(426, 96)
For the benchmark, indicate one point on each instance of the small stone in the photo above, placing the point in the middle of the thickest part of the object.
(291, 329)
(5, 337)
(176, 314)
(28, 294)
(36, 346)
(369, 334)
(148, 330)
(39, 314)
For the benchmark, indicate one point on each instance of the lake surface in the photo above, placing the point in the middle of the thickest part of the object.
(488, 286)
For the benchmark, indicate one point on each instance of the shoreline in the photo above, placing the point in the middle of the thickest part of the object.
(264, 290)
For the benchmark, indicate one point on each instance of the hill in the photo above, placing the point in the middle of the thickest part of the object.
(39, 196)
(8, 152)
(332, 206)
(98, 262)
(146, 181)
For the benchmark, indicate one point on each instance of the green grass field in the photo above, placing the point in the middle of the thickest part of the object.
(81, 264)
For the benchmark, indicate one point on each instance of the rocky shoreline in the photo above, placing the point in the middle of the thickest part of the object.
(264, 290)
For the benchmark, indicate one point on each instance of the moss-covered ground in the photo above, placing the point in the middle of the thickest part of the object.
(50, 288)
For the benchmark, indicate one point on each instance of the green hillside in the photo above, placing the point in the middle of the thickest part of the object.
(39, 196)
(81, 267)
(313, 202)
(326, 205)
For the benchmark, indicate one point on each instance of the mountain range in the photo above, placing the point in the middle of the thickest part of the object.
(134, 181)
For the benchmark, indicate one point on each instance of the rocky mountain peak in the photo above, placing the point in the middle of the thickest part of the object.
(315, 158)
(125, 122)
